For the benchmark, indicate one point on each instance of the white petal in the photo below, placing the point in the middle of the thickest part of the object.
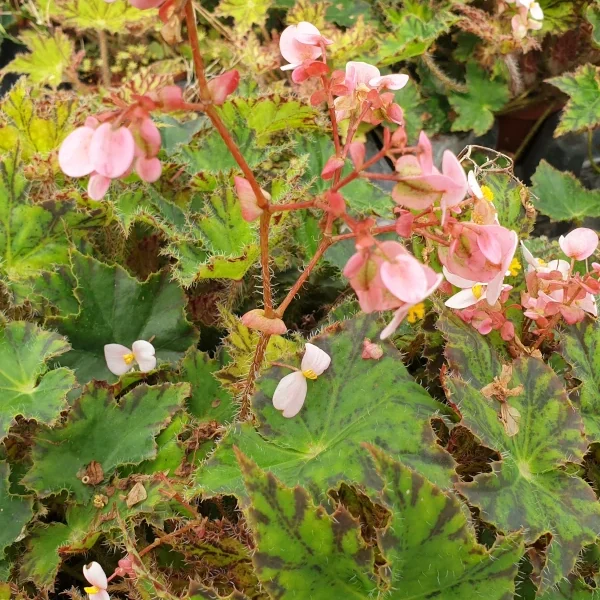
(494, 288)
(559, 265)
(460, 282)
(474, 185)
(529, 258)
(536, 12)
(102, 594)
(144, 355)
(95, 574)
(315, 359)
(290, 394)
(462, 299)
(113, 354)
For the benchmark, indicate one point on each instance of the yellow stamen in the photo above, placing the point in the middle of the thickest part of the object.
(91, 590)
(477, 291)
(487, 193)
(416, 313)
(514, 267)
(541, 263)
(309, 374)
(129, 358)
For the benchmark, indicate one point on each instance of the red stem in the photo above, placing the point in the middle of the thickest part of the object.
(292, 206)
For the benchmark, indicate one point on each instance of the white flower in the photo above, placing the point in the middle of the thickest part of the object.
(120, 359)
(291, 390)
(536, 12)
(537, 264)
(472, 292)
(96, 576)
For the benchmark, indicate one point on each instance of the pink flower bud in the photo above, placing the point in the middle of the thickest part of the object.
(223, 86)
(580, 244)
(250, 208)
(337, 204)
(255, 319)
(371, 351)
(170, 97)
(98, 186)
(148, 169)
(331, 166)
(357, 154)
(404, 223)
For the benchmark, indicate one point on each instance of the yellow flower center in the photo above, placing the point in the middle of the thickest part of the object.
(541, 263)
(91, 590)
(477, 291)
(487, 193)
(416, 313)
(514, 267)
(129, 358)
(309, 374)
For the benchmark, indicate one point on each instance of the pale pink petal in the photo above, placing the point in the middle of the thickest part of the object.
(562, 266)
(580, 244)
(458, 281)
(404, 278)
(74, 153)
(315, 359)
(425, 154)
(145, 4)
(149, 137)
(390, 82)
(98, 186)
(113, 354)
(223, 86)
(148, 169)
(462, 299)
(358, 73)
(290, 394)
(144, 355)
(294, 51)
(494, 288)
(529, 258)
(93, 572)
(250, 209)
(490, 246)
(588, 304)
(395, 322)
(112, 150)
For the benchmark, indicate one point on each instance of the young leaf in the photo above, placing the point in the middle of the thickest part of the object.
(26, 388)
(561, 196)
(50, 56)
(117, 308)
(354, 401)
(580, 346)
(431, 547)
(583, 109)
(477, 106)
(528, 489)
(15, 511)
(302, 552)
(100, 430)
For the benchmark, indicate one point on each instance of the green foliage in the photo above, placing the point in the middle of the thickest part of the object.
(15, 511)
(98, 429)
(484, 96)
(529, 488)
(116, 308)
(344, 408)
(27, 388)
(592, 14)
(50, 57)
(583, 109)
(431, 525)
(580, 346)
(245, 13)
(561, 196)
(301, 550)
(511, 199)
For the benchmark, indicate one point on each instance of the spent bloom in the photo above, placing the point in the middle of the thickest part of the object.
(96, 576)
(291, 391)
(120, 359)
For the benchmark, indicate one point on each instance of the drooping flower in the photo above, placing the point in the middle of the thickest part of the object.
(248, 200)
(291, 391)
(420, 184)
(301, 45)
(120, 359)
(579, 244)
(256, 319)
(96, 576)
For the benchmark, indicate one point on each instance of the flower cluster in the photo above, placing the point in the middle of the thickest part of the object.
(529, 16)
(113, 144)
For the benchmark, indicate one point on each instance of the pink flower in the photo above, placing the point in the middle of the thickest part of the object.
(147, 146)
(472, 292)
(480, 253)
(291, 391)
(248, 201)
(580, 244)
(421, 185)
(223, 86)
(301, 45)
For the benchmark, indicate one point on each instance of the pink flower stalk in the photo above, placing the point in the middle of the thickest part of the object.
(480, 253)
(248, 200)
(362, 82)
(421, 185)
(580, 244)
(389, 277)
(223, 86)
(301, 45)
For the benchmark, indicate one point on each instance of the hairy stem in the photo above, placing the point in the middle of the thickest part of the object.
(104, 57)
(257, 361)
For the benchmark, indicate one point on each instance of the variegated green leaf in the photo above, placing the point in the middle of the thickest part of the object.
(431, 547)
(528, 489)
(354, 401)
(15, 511)
(302, 552)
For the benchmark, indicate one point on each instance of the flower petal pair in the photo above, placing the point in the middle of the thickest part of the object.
(120, 359)
(291, 391)
(96, 576)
